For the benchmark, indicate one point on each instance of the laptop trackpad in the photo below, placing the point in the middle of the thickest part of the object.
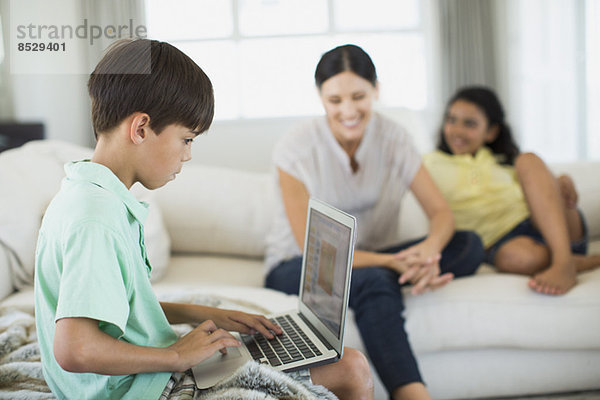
(218, 367)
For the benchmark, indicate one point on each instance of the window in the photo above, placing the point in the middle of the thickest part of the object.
(1, 42)
(592, 67)
(261, 54)
(554, 77)
(5, 96)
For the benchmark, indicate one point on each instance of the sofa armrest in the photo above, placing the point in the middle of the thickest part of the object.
(585, 177)
(6, 286)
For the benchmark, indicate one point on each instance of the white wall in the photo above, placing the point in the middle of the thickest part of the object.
(59, 100)
(248, 143)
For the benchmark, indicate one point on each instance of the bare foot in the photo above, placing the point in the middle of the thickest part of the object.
(556, 280)
(586, 263)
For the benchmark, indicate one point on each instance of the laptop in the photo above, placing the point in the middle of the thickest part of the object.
(314, 333)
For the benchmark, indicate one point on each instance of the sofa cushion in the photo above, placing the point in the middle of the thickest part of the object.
(217, 210)
(31, 176)
(156, 237)
(191, 270)
(500, 311)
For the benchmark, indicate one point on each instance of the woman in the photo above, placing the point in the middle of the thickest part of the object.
(363, 163)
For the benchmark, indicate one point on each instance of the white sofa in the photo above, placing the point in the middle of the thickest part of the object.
(481, 336)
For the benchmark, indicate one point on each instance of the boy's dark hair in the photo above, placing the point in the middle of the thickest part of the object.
(152, 77)
(345, 58)
(487, 101)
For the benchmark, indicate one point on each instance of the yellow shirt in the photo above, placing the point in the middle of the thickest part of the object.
(485, 197)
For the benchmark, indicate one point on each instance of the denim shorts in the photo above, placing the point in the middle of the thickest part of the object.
(526, 228)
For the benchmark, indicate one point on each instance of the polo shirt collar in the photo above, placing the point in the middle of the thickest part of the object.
(102, 176)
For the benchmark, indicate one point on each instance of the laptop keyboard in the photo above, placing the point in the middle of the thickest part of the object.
(291, 346)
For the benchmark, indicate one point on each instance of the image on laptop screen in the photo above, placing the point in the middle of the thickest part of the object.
(326, 260)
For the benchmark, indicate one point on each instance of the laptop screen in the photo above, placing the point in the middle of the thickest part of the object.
(325, 273)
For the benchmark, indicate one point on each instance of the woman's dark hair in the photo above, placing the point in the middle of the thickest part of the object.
(487, 101)
(345, 58)
(152, 77)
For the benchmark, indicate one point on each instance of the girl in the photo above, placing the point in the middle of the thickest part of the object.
(527, 219)
(363, 163)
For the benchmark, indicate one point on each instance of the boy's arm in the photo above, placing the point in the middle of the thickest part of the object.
(80, 346)
(237, 321)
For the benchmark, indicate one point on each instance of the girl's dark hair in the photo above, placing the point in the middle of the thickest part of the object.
(345, 58)
(152, 77)
(487, 101)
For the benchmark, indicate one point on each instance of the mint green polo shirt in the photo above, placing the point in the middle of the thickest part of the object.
(91, 262)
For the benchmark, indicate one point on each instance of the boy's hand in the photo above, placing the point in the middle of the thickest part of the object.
(80, 346)
(244, 323)
(200, 344)
(229, 320)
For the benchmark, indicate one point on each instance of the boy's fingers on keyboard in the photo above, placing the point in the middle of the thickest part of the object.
(264, 326)
(249, 322)
(270, 324)
(200, 344)
(221, 345)
(224, 337)
(242, 328)
(207, 326)
(221, 333)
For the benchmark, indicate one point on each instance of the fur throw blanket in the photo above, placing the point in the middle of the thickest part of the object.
(20, 366)
(21, 370)
(251, 381)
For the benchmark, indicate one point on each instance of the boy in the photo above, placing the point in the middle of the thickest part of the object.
(101, 330)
